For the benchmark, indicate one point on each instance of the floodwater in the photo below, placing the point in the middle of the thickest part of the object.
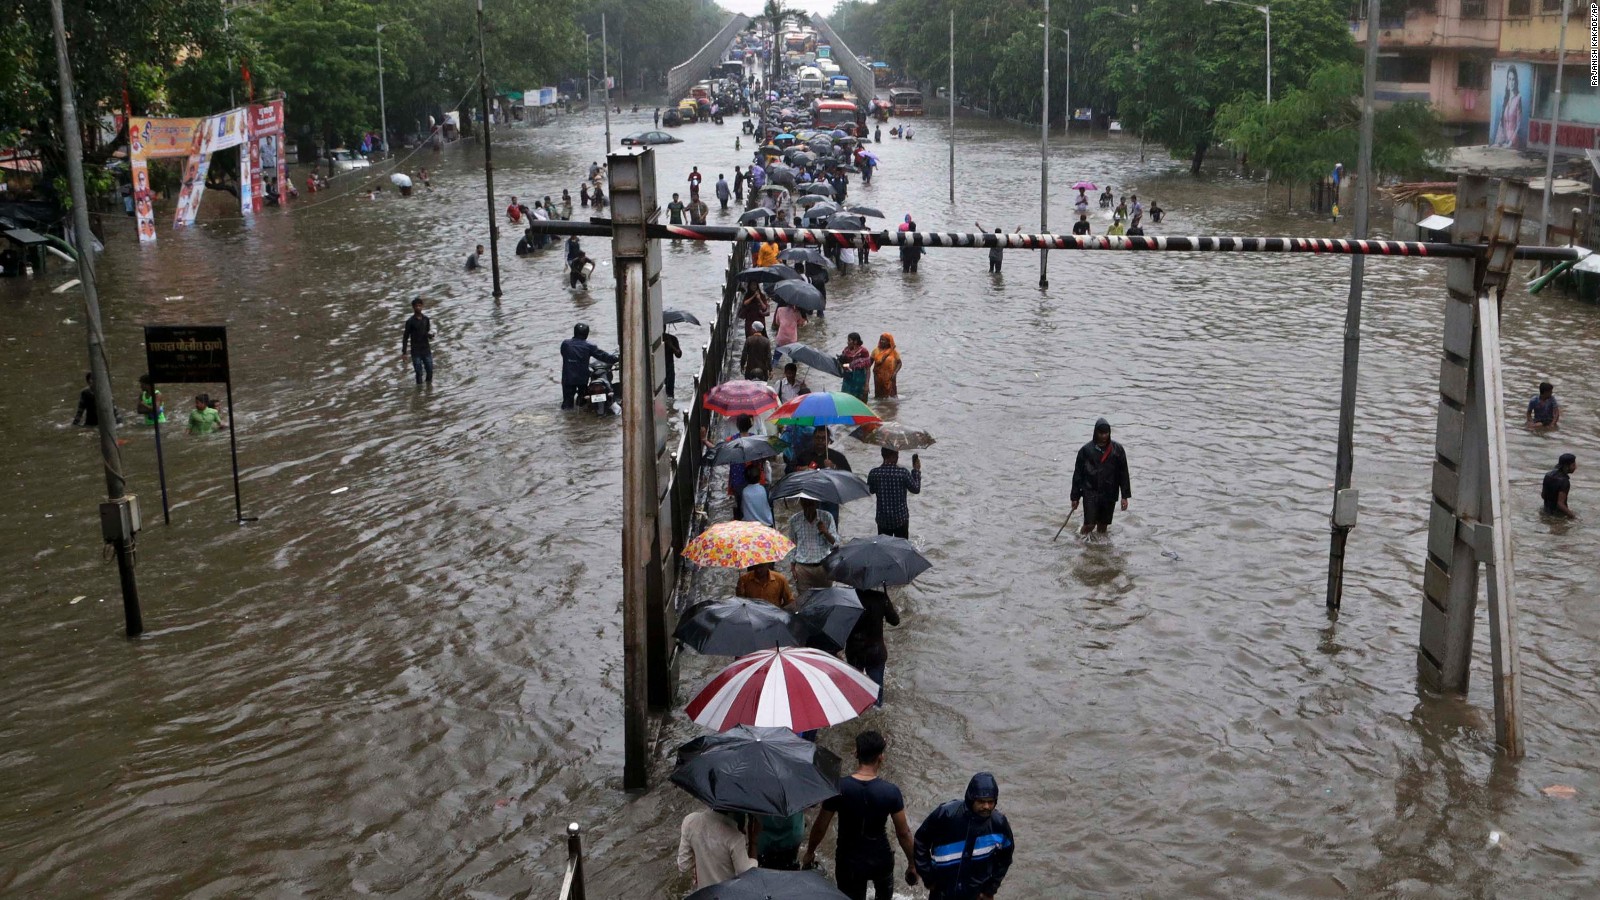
(404, 679)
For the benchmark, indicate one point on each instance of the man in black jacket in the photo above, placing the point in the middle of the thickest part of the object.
(575, 354)
(964, 848)
(1100, 474)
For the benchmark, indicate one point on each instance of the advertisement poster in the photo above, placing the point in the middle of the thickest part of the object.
(154, 139)
(195, 168)
(1510, 104)
(266, 125)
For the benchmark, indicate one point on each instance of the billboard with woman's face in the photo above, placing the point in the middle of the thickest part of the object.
(1510, 104)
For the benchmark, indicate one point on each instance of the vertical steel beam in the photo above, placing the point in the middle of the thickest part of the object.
(637, 262)
(1469, 520)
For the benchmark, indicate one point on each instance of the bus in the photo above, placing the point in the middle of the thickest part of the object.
(907, 102)
(827, 115)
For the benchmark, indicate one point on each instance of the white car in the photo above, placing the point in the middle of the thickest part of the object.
(344, 160)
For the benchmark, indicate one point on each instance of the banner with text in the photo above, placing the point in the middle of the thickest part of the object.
(154, 139)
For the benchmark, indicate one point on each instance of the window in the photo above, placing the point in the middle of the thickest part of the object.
(1474, 9)
(1472, 74)
(1551, 6)
(1405, 69)
(1517, 7)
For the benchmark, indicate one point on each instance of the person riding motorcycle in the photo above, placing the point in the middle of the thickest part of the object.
(576, 352)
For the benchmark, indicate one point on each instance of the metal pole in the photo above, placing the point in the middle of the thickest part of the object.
(105, 413)
(952, 92)
(605, 78)
(488, 159)
(1044, 154)
(1066, 125)
(1343, 518)
(1268, 11)
(588, 80)
(1555, 126)
(233, 448)
(383, 112)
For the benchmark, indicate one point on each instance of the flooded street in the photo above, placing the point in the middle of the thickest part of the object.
(409, 687)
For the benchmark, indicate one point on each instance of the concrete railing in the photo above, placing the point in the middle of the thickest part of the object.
(697, 67)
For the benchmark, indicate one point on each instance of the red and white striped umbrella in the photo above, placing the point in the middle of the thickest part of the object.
(786, 687)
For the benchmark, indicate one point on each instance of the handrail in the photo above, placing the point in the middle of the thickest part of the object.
(572, 881)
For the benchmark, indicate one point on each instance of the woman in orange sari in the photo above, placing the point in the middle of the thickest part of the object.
(885, 368)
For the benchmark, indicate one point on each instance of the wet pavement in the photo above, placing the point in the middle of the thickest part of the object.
(408, 687)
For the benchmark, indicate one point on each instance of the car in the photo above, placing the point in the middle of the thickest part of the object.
(342, 160)
(671, 119)
(648, 138)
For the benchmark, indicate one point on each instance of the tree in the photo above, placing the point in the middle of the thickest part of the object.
(773, 15)
(1187, 67)
(1302, 135)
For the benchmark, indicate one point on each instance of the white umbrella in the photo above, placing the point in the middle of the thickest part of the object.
(400, 179)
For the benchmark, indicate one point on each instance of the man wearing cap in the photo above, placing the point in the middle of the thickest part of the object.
(1098, 477)
(1557, 482)
(1544, 411)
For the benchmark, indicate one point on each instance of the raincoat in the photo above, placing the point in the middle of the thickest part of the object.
(1101, 473)
(960, 854)
(885, 368)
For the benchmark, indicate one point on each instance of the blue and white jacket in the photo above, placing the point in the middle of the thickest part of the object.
(960, 854)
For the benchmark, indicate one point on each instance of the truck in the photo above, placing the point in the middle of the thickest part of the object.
(810, 79)
(907, 101)
(842, 112)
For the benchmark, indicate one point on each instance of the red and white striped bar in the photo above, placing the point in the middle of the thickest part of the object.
(824, 237)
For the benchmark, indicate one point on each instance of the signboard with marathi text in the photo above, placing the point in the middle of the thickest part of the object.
(187, 354)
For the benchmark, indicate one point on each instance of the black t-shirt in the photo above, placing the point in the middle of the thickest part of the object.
(419, 335)
(1080, 227)
(86, 408)
(675, 212)
(1556, 482)
(863, 809)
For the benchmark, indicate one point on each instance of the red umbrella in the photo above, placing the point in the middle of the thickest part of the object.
(786, 687)
(742, 398)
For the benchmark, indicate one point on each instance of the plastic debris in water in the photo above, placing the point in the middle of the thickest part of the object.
(1494, 839)
(76, 599)
(339, 490)
(1560, 791)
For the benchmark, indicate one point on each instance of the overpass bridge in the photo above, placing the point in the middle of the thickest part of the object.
(687, 73)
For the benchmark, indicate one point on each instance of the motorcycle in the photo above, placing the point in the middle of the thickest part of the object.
(602, 395)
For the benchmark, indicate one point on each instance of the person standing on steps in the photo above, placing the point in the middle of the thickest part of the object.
(1098, 477)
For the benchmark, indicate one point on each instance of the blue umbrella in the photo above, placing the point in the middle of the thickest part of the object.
(785, 136)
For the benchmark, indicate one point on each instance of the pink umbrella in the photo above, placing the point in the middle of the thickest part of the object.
(742, 398)
(786, 687)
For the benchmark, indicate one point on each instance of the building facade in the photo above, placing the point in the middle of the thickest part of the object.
(1438, 51)
(1531, 35)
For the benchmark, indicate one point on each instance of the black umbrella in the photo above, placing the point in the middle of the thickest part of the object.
(846, 222)
(781, 175)
(772, 148)
(822, 207)
(674, 316)
(764, 771)
(814, 200)
(735, 626)
(830, 615)
(811, 356)
(823, 486)
(875, 562)
(741, 450)
(867, 211)
(803, 255)
(800, 295)
(768, 274)
(754, 216)
(799, 157)
(771, 884)
(846, 167)
(816, 187)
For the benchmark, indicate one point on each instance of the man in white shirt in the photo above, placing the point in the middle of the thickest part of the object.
(714, 845)
(791, 386)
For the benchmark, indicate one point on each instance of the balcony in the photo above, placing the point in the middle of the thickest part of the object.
(1454, 24)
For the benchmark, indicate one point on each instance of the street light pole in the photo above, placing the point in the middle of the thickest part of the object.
(105, 414)
(488, 158)
(383, 112)
(952, 92)
(1044, 154)
(605, 78)
(1555, 125)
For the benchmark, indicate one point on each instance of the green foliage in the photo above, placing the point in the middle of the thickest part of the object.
(1302, 135)
(648, 38)
(1195, 59)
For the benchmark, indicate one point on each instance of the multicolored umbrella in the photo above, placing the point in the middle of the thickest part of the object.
(830, 408)
(741, 398)
(737, 545)
(785, 687)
